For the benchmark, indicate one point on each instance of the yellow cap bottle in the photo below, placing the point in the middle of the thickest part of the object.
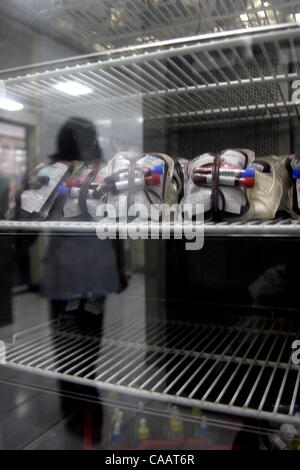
(176, 424)
(197, 412)
(114, 415)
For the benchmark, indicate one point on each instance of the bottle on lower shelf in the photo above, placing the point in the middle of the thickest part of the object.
(143, 432)
(176, 425)
(116, 438)
(290, 435)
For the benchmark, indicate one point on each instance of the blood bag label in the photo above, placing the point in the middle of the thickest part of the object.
(34, 200)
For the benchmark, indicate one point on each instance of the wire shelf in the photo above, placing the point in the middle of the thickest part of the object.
(99, 24)
(239, 366)
(243, 75)
(271, 228)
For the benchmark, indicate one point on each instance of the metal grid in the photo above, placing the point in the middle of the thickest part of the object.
(264, 138)
(239, 366)
(278, 227)
(97, 24)
(238, 76)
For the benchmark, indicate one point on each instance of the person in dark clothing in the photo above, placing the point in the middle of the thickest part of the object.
(80, 271)
(84, 269)
(77, 141)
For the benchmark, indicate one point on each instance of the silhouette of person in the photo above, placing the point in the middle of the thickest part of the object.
(78, 268)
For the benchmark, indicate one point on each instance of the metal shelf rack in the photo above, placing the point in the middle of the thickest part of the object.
(216, 78)
(271, 228)
(100, 24)
(238, 365)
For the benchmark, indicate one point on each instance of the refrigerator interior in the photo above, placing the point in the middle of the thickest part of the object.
(192, 330)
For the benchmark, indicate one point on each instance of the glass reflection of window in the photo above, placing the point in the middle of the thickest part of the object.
(12, 150)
